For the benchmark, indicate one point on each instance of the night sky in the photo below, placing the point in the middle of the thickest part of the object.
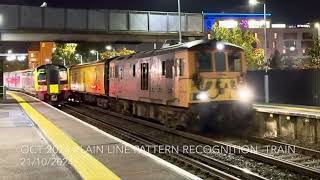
(283, 11)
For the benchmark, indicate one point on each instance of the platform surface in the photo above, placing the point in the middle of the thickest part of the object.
(101, 146)
(290, 110)
(23, 147)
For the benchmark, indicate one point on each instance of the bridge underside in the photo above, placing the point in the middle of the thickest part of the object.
(96, 37)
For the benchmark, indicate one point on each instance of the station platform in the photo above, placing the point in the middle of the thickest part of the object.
(290, 110)
(38, 141)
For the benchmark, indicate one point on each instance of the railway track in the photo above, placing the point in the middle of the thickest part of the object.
(242, 163)
(298, 156)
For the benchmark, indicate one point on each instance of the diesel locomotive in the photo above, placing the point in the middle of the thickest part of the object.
(48, 82)
(197, 84)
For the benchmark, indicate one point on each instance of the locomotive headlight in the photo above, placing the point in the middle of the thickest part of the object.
(245, 94)
(203, 96)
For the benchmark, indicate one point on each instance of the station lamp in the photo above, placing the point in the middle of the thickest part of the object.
(109, 47)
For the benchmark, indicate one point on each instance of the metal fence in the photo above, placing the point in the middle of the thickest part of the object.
(301, 87)
(13, 17)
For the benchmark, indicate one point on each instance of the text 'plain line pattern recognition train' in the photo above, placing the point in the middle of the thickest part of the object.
(197, 84)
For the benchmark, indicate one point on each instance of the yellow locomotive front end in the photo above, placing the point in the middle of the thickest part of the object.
(217, 93)
(218, 74)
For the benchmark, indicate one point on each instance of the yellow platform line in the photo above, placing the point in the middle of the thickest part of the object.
(85, 164)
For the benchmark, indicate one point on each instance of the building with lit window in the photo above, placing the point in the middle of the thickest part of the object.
(290, 41)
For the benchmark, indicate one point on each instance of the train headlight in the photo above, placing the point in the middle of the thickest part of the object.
(203, 96)
(245, 94)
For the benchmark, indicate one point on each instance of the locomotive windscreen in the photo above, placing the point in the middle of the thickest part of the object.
(53, 76)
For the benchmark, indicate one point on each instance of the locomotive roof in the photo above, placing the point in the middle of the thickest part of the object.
(142, 54)
(41, 66)
(188, 45)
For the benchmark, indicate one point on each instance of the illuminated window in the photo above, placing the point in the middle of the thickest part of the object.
(275, 35)
(274, 45)
(228, 23)
(284, 51)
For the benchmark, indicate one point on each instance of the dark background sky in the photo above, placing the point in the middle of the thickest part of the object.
(283, 11)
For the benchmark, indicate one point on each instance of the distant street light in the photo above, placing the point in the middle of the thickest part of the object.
(11, 58)
(44, 4)
(109, 47)
(9, 51)
(95, 52)
(266, 77)
(21, 58)
(79, 56)
(253, 2)
(317, 26)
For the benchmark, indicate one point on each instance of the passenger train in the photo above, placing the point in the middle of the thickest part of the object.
(47, 82)
(197, 84)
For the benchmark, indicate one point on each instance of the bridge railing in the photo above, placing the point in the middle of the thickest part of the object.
(14, 17)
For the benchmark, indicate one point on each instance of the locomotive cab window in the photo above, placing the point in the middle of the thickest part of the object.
(220, 63)
(203, 61)
(234, 61)
(42, 75)
(63, 74)
(163, 68)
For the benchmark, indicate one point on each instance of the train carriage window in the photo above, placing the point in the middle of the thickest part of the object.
(181, 67)
(234, 61)
(121, 72)
(220, 58)
(163, 68)
(134, 70)
(203, 61)
(169, 65)
(144, 76)
(116, 72)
